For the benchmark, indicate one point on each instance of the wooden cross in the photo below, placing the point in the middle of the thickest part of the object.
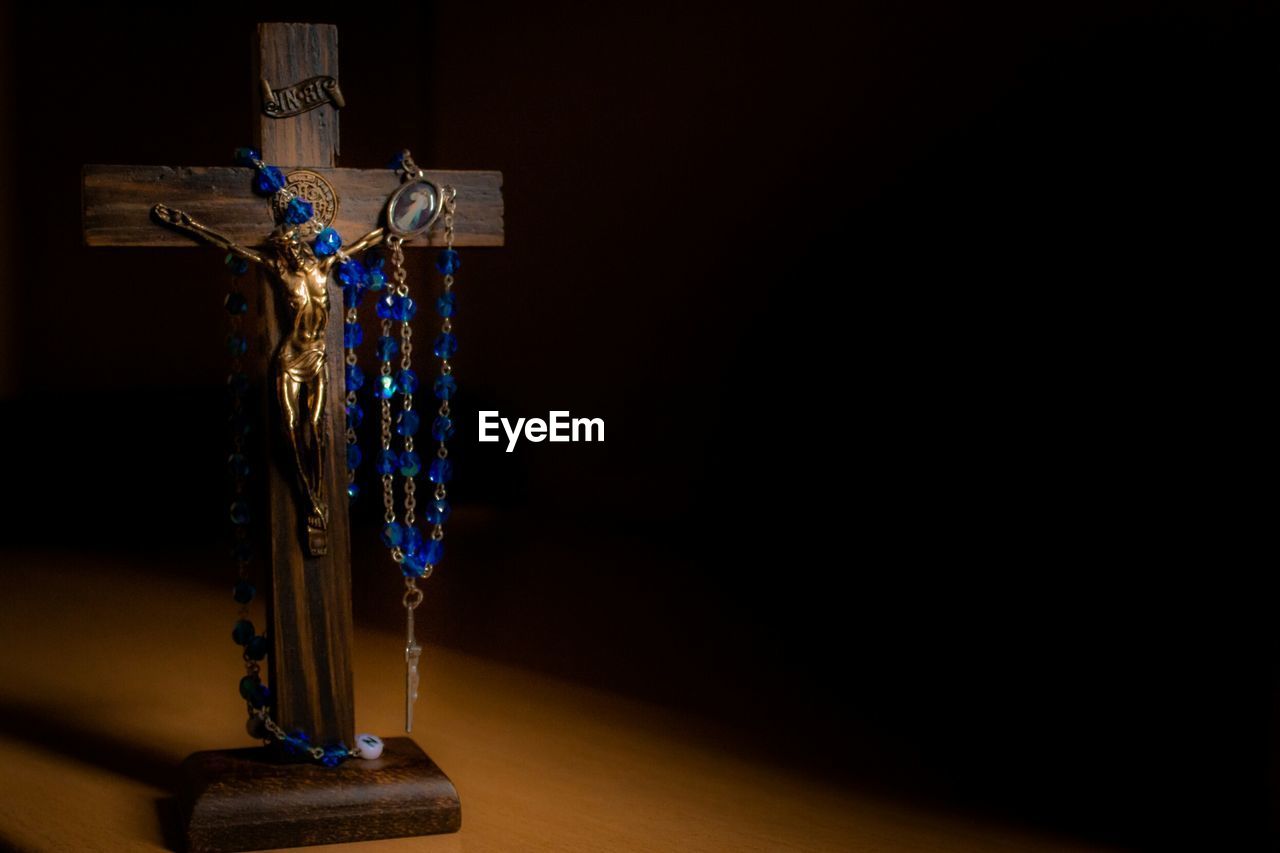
(310, 603)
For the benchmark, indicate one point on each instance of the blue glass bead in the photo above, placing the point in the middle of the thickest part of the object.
(410, 463)
(396, 161)
(448, 262)
(386, 388)
(351, 296)
(238, 463)
(412, 543)
(385, 306)
(238, 423)
(352, 335)
(298, 211)
(353, 490)
(445, 304)
(256, 649)
(239, 512)
(440, 471)
(242, 552)
(442, 428)
(355, 377)
(388, 462)
(387, 347)
(377, 277)
(268, 180)
(407, 423)
(238, 383)
(327, 243)
(243, 592)
(237, 264)
(243, 632)
(249, 685)
(437, 511)
(413, 566)
(355, 415)
(297, 744)
(407, 380)
(446, 345)
(260, 697)
(432, 551)
(353, 274)
(393, 534)
(404, 309)
(235, 303)
(237, 345)
(247, 157)
(333, 755)
(353, 456)
(445, 387)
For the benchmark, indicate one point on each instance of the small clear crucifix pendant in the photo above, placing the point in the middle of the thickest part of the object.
(412, 651)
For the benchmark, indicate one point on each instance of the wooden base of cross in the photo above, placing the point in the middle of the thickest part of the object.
(245, 799)
(233, 798)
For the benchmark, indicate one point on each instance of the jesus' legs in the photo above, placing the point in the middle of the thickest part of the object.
(315, 417)
(308, 459)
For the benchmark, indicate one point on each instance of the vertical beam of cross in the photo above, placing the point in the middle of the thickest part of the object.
(310, 605)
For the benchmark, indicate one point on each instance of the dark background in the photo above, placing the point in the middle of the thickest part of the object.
(918, 332)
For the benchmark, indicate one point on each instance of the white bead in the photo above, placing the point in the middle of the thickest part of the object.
(370, 746)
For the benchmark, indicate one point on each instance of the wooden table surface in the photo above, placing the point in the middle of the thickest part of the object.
(110, 675)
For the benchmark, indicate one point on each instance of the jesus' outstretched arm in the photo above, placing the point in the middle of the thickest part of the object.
(182, 221)
(368, 241)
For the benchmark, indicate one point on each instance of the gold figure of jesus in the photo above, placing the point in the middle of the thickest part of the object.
(302, 374)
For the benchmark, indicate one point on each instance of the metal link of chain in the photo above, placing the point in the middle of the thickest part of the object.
(406, 363)
(412, 594)
(272, 726)
(401, 278)
(351, 399)
(450, 195)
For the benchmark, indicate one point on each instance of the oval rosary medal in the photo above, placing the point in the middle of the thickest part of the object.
(413, 208)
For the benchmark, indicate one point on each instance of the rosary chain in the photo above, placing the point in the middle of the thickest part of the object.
(352, 400)
(400, 288)
(446, 327)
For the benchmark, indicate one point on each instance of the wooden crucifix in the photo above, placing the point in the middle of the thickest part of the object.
(310, 603)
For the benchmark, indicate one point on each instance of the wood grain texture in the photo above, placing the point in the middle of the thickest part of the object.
(310, 617)
(286, 54)
(242, 799)
(117, 203)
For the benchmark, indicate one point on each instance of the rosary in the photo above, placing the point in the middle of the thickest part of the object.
(304, 250)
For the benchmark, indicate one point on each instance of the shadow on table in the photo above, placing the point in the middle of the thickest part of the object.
(57, 732)
(169, 816)
(50, 729)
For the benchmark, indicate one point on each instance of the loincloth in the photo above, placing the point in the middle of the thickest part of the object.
(303, 364)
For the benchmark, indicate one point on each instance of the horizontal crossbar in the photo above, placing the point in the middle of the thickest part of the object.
(118, 200)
